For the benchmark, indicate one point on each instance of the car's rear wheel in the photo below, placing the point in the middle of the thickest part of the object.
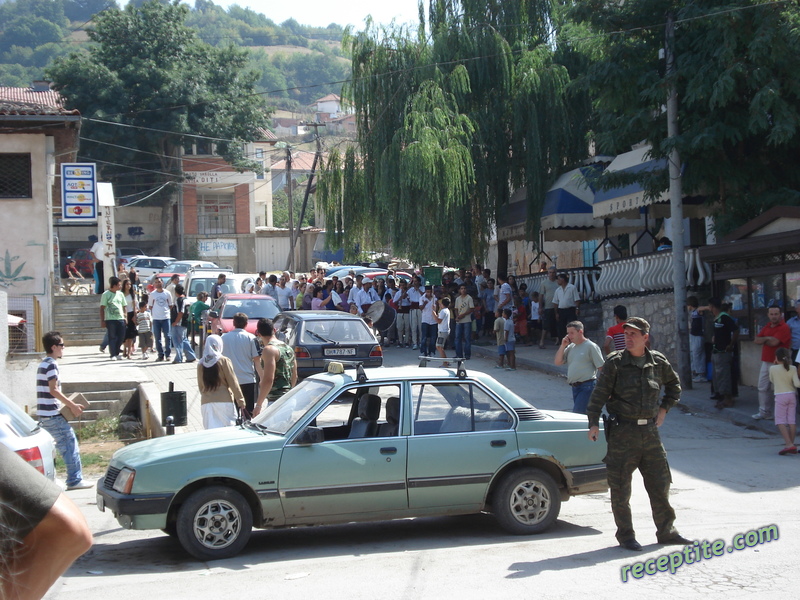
(526, 501)
(214, 522)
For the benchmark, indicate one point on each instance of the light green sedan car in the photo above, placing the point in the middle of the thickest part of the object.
(352, 445)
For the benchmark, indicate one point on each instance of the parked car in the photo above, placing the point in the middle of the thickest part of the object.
(201, 279)
(125, 255)
(219, 318)
(320, 335)
(354, 445)
(147, 266)
(341, 272)
(382, 275)
(84, 261)
(183, 266)
(27, 438)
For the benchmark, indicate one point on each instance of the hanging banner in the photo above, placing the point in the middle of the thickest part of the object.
(79, 192)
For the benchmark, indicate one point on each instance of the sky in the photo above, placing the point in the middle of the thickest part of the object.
(321, 13)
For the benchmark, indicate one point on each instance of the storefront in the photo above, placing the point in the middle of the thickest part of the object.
(755, 267)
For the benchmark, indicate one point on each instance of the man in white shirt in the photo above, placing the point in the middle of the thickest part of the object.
(159, 302)
(427, 305)
(403, 304)
(415, 293)
(567, 302)
(504, 295)
(366, 297)
(97, 251)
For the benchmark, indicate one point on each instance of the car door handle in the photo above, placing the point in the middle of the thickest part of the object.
(388, 450)
(498, 443)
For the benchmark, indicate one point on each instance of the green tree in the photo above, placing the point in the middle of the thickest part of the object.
(451, 119)
(145, 88)
(280, 206)
(29, 31)
(739, 96)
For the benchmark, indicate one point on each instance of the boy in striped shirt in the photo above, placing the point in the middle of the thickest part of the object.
(50, 401)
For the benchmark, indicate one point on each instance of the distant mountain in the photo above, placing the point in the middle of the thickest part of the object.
(297, 62)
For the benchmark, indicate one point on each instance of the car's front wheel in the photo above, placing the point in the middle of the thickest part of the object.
(526, 501)
(214, 522)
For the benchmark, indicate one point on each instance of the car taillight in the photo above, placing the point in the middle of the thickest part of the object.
(377, 351)
(300, 352)
(33, 457)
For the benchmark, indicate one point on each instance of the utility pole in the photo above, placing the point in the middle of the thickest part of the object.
(289, 184)
(317, 158)
(676, 214)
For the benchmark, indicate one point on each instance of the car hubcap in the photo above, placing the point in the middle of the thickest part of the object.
(217, 524)
(530, 502)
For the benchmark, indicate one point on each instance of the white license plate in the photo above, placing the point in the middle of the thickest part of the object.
(340, 351)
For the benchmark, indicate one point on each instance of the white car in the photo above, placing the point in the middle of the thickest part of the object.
(147, 266)
(27, 438)
(183, 266)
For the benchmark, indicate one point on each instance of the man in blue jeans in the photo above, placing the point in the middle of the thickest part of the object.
(160, 302)
(463, 315)
(50, 401)
(180, 321)
(583, 358)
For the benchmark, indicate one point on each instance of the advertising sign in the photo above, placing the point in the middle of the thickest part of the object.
(79, 191)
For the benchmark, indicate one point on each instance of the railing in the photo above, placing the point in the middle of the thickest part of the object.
(648, 273)
(635, 275)
(583, 278)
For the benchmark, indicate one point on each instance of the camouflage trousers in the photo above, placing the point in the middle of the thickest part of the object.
(632, 447)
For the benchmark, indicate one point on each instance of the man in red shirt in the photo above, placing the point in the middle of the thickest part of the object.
(775, 334)
(615, 335)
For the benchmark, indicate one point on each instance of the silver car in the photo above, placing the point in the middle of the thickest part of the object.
(27, 438)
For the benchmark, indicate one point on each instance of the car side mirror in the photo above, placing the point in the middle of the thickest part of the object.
(213, 314)
(310, 435)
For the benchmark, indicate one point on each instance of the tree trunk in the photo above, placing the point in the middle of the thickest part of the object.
(502, 257)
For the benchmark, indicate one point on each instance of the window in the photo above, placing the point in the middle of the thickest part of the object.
(368, 406)
(456, 408)
(750, 298)
(261, 175)
(216, 213)
(15, 176)
(259, 153)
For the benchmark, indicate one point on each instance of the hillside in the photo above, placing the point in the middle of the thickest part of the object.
(290, 57)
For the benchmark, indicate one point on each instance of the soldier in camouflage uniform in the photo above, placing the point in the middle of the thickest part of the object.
(629, 386)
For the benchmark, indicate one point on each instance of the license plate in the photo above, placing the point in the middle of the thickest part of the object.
(340, 351)
(101, 503)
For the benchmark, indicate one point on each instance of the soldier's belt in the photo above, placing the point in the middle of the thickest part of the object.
(636, 421)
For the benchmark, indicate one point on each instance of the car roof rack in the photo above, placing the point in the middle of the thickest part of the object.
(361, 375)
(461, 372)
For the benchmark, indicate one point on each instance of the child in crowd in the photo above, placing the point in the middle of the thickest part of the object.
(520, 319)
(443, 330)
(783, 375)
(499, 329)
(534, 323)
(144, 326)
(510, 341)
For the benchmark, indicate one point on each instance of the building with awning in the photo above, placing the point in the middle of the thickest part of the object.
(567, 215)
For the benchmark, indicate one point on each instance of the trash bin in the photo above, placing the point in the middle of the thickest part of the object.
(173, 404)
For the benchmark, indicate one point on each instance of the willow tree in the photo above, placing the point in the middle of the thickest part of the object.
(452, 118)
(739, 95)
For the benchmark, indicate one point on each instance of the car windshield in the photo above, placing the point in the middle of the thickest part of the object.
(255, 308)
(15, 417)
(281, 416)
(180, 267)
(336, 330)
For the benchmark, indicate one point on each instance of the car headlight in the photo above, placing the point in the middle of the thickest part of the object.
(124, 482)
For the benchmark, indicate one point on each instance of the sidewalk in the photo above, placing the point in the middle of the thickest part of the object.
(86, 364)
(696, 400)
(82, 364)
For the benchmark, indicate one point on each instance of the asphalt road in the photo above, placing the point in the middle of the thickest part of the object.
(726, 480)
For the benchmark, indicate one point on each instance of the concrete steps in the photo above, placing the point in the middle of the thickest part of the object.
(77, 318)
(106, 399)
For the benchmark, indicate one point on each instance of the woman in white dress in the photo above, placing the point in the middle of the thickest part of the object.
(219, 391)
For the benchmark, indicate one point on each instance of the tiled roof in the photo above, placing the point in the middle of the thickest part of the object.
(301, 161)
(328, 98)
(27, 101)
(266, 135)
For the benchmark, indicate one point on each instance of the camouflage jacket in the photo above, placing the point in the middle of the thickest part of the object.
(631, 392)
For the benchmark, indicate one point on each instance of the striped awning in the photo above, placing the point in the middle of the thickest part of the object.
(628, 198)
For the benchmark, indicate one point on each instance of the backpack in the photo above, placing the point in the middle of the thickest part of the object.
(182, 307)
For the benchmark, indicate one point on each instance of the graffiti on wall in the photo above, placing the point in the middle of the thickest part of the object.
(9, 275)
